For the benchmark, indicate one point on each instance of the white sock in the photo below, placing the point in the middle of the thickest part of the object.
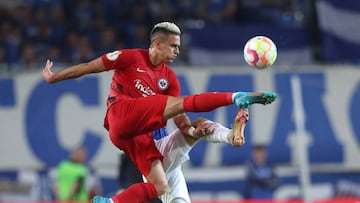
(221, 134)
(233, 96)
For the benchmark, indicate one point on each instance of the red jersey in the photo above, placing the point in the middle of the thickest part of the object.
(135, 76)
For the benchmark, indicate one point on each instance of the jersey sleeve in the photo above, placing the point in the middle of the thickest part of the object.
(118, 59)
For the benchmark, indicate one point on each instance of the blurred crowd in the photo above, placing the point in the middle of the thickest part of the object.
(73, 31)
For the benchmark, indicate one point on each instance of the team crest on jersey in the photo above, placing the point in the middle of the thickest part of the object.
(113, 55)
(163, 84)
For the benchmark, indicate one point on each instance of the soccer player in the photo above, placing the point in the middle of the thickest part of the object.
(144, 94)
(176, 147)
(261, 181)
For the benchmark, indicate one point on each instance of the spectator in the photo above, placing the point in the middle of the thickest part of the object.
(28, 58)
(140, 36)
(11, 40)
(84, 50)
(70, 43)
(71, 177)
(55, 53)
(57, 25)
(217, 12)
(261, 180)
(160, 10)
(107, 41)
(98, 26)
(183, 10)
(3, 66)
(83, 13)
(269, 12)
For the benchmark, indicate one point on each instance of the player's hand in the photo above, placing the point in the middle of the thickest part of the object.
(204, 129)
(47, 73)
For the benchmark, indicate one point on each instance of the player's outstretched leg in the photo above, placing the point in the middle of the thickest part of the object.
(237, 132)
(244, 99)
(98, 199)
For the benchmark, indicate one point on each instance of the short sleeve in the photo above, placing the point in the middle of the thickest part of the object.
(118, 59)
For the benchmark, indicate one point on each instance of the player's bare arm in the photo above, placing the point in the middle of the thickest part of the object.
(202, 127)
(94, 66)
(192, 131)
(182, 121)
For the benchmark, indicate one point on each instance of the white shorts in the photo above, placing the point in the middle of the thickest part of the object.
(175, 151)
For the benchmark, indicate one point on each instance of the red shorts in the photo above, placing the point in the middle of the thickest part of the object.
(130, 122)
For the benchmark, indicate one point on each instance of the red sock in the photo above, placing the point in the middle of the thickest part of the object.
(137, 193)
(207, 101)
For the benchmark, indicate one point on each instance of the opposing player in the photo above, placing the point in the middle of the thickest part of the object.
(144, 94)
(176, 147)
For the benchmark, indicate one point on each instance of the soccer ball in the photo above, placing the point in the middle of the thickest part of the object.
(260, 52)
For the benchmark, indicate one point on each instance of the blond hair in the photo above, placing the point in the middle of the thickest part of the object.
(164, 29)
